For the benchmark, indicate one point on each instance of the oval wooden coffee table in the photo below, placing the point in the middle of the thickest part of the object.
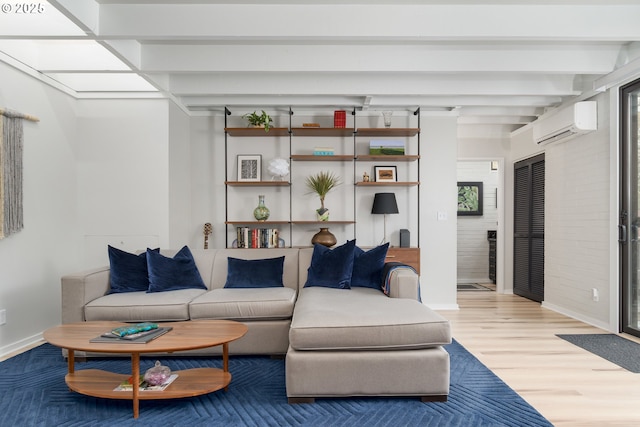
(188, 335)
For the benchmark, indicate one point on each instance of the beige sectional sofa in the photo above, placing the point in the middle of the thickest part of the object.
(338, 342)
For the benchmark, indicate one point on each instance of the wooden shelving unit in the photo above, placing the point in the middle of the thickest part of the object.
(262, 224)
(314, 158)
(257, 132)
(326, 132)
(258, 183)
(388, 184)
(322, 222)
(337, 136)
(405, 132)
(385, 158)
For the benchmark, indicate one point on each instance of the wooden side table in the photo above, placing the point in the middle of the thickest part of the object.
(409, 256)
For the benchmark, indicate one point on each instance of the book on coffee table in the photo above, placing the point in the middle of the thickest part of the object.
(139, 338)
(145, 386)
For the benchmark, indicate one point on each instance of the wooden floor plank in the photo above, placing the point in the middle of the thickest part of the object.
(515, 338)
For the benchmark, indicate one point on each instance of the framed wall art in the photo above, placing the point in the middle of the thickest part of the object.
(469, 198)
(385, 173)
(249, 167)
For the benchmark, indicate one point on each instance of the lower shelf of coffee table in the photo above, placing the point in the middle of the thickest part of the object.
(190, 382)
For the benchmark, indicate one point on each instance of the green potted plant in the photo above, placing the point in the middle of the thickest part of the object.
(321, 184)
(259, 120)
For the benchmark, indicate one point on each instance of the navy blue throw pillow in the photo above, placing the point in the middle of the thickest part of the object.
(367, 267)
(170, 274)
(255, 273)
(331, 268)
(128, 272)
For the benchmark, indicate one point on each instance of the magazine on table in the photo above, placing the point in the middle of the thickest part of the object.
(137, 338)
(127, 384)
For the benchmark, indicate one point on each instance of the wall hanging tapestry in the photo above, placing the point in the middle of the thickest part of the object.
(11, 137)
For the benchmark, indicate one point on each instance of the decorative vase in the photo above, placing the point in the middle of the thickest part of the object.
(322, 214)
(324, 237)
(261, 213)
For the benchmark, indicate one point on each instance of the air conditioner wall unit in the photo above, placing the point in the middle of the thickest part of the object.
(569, 122)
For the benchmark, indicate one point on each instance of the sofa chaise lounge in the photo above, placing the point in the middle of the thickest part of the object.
(338, 342)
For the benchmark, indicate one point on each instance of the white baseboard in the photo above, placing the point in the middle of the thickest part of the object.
(581, 317)
(21, 345)
(473, 280)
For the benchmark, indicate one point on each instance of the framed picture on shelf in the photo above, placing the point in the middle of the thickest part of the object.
(469, 198)
(249, 167)
(385, 173)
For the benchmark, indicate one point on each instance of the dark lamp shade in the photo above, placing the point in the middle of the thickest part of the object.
(384, 203)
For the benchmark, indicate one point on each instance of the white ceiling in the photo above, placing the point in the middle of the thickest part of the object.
(496, 63)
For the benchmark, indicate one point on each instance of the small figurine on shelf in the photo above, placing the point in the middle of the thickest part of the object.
(365, 177)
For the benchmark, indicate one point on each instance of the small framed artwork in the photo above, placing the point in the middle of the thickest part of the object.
(249, 167)
(385, 173)
(469, 198)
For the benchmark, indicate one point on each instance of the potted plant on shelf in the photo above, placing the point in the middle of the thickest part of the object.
(321, 184)
(259, 120)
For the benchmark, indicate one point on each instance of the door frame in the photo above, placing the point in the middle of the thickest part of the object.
(500, 227)
(628, 163)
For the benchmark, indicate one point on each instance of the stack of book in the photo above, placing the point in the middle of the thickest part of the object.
(127, 385)
(139, 333)
(323, 151)
(257, 237)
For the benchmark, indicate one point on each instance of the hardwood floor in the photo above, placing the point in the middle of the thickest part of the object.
(515, 338)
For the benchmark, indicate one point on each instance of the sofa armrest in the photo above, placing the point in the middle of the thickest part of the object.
(401, 281)
(78, 289)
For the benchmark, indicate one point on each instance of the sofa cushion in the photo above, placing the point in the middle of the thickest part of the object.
(363, 319)
(367, 267)
(128, 272)
(254, 273)
(331, 268)
(244, 304)
(170, 274)
(220, 264)
(142, 306)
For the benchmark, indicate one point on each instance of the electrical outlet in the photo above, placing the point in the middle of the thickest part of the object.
(442, 216)
(3, 317)
(595, 295)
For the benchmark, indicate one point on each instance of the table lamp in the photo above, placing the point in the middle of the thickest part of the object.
(384, 203)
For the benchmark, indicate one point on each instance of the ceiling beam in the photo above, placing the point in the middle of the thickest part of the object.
(349, 21)
(531, 58)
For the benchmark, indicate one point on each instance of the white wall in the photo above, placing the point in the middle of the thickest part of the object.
(438, 183)
(473, 246)
(32, 261)
(577, 223)
(123, 176)
(180, 179)
(207, 180)
(578, 250)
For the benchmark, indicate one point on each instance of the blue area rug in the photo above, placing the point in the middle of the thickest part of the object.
(33, 393)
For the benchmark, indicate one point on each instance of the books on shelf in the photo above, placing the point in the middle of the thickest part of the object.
(257, 237)
(127, 384)
(323, 151)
